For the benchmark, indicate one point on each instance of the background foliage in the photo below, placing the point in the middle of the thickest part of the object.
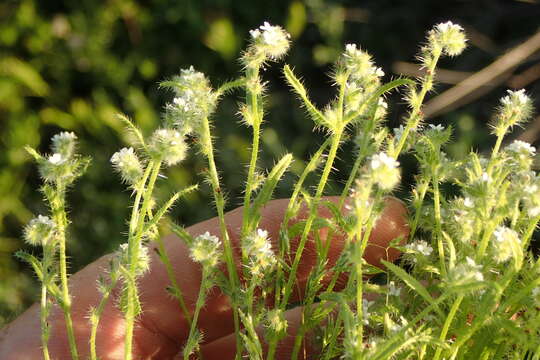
(74, 65)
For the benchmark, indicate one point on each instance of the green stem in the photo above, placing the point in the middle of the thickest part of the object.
(58, 209)
(133, 251)
(220, 205)
(198, 306)
(416, 113)
(96, 314)
(438, 220)
(336, 138)
(43, 318)
(447, 324)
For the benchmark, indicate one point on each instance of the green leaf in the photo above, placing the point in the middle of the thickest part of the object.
(33, 261)
(155, 219)
(267, 189)
(300, 90)
(412, 283)
(377, 93)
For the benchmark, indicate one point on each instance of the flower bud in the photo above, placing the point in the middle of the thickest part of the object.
(39, 231)
(206, 249)
(259, 249)
(521, 154)
(64, 144)
(384, 171)
(516, 108)
(194, 100)
(167, 145)
(128, 165)
(55, 168)
(143, 260)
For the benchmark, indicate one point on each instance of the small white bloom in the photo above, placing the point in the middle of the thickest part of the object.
(384, 171)
(437, 127)
(39, 230)
(536, 295)
(366, 304)
(167, 145)
(516, 98)
(521, 147)
(393, 290)
(466, 272)
(127, 164)
(143, 259)
(64, 144)
(56, 159)
(485, 177)
(468, 202)
(259, 250)
(206, 249)
(450, 37)
(270, 41)
(421, 247)
(505, 241)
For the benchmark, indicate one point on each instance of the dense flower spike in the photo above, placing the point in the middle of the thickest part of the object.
(465, 272)
(167, 145)
(384, 171)
(143, 258)
(40, 231)
(450, 37)
(206, 249)
(128, 165)
(64, 144)
(193, 102)
(505, 241)
(268, 42)
(516, 108)
(259, 250)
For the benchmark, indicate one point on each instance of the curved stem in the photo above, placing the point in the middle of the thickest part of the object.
(447, 324)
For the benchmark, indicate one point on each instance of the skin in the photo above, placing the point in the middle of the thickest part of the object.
(161, 329)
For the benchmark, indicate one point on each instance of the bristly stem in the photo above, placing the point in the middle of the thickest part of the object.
(59, 215)
(438, 220)
(133, 255)
(208, 150)
(198, 306)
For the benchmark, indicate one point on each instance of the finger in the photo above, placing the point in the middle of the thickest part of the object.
(161, 326)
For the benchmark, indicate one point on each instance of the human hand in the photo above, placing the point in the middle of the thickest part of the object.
(161, 330)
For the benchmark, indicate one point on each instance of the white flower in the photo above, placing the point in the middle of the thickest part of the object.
(269, 41)
(505, 241)
(384, 171)
(521, 147)
(516, 98)
(393, 290)
(143, 259)
(205, 249)
(468, 202)
(421, 247)
(39, 230)
(365, 310)
(466, 272)
(259, 250)
(167, 145)
(450, 37)
(437, 127)
(56, 159)
(536, 295)
(127, 164)
(64, 144)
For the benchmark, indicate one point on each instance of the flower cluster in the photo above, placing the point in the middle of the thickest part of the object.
(521, 154)
(193, 102)
(167, 145)
(505, 243)
(259, 250)
(420, 247)
(39, 231)
(466, 272)
(450, 37)
(143, 258)
(516, 108)
(267, 42)
(63, 144)
(128, 165)
(384, 170)
(206, 250)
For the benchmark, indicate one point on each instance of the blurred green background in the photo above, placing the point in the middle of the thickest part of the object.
(75, 64)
